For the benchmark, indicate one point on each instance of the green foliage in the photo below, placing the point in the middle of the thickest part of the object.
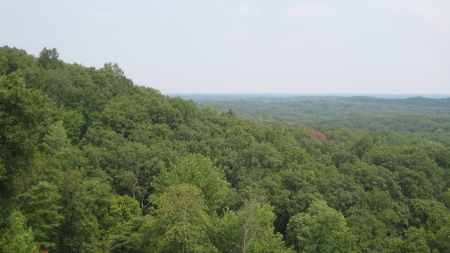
(226, 234)
(183, 218)
(89, 162)
(123, 209)
(3, 62)
(55, 141)
(363, 145)
(370, 233)
(13, 59)
(41, 204)
(16, 236)
(79, 228)
(415, 241)
(73, 122)
(405, 116)
(199, 171)
(320, 229)
(23, 113)
(49, 59)
(257, 230)
(248, 230)
(134, 236)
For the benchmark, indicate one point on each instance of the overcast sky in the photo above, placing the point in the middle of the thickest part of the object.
(240, 46)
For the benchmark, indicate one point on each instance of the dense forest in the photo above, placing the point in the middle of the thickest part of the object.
(426, 117)
(91, 162)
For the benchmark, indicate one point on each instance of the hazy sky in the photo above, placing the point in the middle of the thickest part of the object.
(239, 46)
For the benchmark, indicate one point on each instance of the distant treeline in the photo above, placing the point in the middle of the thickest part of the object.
(429, 117)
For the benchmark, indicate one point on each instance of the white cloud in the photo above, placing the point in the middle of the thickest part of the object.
(434, 13)
(246, 11)
(233, 35)
(100, 15)
(310, 10)
(436, 17)
(85, 36)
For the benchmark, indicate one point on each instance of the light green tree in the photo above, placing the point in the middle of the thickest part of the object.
(415, 241)
(320, 229)
(199, 171)
(183, 219)
(248, 230)
(16, 236)
(55, 141)
(121, 211)
(257, 231)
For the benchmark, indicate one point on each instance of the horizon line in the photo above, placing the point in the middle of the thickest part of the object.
(405, 95)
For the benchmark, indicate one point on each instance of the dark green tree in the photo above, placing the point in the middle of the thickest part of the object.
(41, 204)
(23, 114)
(49, 59)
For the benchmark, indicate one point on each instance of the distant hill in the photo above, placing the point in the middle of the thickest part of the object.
(404, 115)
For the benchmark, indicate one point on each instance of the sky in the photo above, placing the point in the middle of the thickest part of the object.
(240, 46)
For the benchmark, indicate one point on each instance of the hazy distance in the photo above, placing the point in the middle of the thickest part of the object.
(258, 47)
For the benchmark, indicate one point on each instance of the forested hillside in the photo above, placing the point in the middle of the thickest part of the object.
(427, 117)
(90, 162)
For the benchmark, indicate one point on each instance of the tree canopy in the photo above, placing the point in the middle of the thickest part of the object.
(91, 162)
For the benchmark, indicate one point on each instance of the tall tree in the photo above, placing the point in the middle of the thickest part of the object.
(23, 113)
(183, 218)
(41, 204)
(248, 230)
